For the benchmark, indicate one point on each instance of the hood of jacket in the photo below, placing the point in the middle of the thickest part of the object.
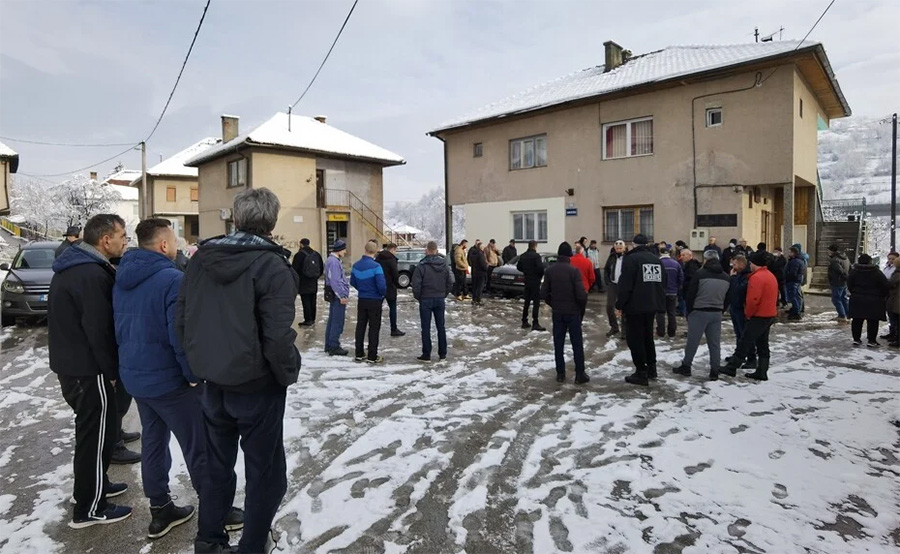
(434, 262)
(225, 258)
(839, 256)
(78, 254)
(139, 265)
(385, 255)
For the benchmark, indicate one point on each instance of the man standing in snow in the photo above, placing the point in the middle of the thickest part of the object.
(337, 294)
(794, 273)
(309, 267)
(367, 277)
(510, 252)
(532, 267)
(674, 281)
(431, 283)
(612, 272)
(564, 291)
(593, 254)
(460, 269)
(85, 358)
(68, 239)
(388, 260)
(760, 310)
(838, 269)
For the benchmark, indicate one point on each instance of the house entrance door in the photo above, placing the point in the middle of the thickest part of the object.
(337, 227)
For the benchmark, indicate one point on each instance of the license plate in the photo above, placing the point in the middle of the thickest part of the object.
(508, 277)
(42, 298)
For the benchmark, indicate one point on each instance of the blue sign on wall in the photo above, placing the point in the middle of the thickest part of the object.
(571, 211)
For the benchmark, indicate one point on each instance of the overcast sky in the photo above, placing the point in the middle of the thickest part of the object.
(100, 71)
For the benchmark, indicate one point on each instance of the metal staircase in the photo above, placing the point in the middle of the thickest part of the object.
(337, 199)
(844, 224)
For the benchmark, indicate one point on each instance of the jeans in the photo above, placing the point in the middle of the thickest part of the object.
(429, 307)
(841, 301)
(478, 281)
(661, 327)
(682, 304)
(856, 325)
(460, 287)
(570, 324)
(337, 312)
(368, 314)
(894, 320)
(256, 420)
(532, 298)
(309, 307)
(392, 312)
(612, 294)
(794, 298)
(739, 322)
(704, 323)
(639, 337)
(756, 334)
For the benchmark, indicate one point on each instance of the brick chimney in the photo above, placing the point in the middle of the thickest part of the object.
(614, 57)
(320, 118)
(93, 175)
(229, 127)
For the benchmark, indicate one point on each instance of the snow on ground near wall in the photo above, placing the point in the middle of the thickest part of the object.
(486, 453)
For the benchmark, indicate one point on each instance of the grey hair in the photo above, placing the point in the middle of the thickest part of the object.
(740, 258)
(256, 211)
(710, 255)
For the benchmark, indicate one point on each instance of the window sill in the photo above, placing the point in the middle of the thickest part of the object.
(527, 168)
(605, 159)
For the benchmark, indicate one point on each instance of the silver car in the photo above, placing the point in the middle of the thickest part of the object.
(24, 291)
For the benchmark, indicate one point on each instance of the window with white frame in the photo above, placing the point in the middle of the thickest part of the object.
(237, 173)
(623, 223)
(626, 139)
(530, 226)
(528, 152)
(714, 117)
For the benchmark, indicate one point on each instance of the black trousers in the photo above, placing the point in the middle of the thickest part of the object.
(661, 327)
(309, 307)
(478, 281)
(532, 298)
(756, 332)
(123, 404)
(96, 427)
(392, 312)
(488, 280)
(368, 314)
(571, 325)
(460, 287)
(639, 336)
(856, 325)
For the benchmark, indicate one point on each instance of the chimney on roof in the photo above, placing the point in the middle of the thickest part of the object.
(320, 118)
(229, 127)
(614, 56)
(93, 175)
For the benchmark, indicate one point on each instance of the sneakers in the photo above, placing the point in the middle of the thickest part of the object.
(683, 370)
(397, 333)
(424, 358)
(123, 456)
(337, 351)
(377, 360)
(165, 518)
(109, 491)
(306, 323)
(112, 514)
(442, 358)
(537, 327)
(203, 547)
(873, 344)
(857, 342)
(359, 358)
(234, 521)
(130, 437)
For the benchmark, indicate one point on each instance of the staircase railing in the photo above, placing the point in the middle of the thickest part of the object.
(848, 210)
(338, 197)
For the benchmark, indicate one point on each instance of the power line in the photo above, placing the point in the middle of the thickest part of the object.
(799, 44)
(183, 65)
(69, 144)
(130, 147)
(353, 7)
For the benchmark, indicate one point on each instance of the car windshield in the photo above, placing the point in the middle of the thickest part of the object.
(35, 258)
(513, 261)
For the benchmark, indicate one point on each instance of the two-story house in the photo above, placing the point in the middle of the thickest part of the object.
(9, 164)
(174, 191)
(718, 138)
(329, 182)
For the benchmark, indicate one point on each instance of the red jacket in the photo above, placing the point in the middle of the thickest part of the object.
(586, 268)
(762, 294)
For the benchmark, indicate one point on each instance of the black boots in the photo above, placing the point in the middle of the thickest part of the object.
(751, 363)
(560, 376)
(651, 371)
(581, 378)
(762, 370)
(682, 370)
(164, 518)
(639, 377)
(731, 368)
(537, 327)
(713, 374)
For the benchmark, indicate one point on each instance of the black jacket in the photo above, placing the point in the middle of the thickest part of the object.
(777, 266)
(432, 278)
(642, 283)
(508, 253)
(478, 262)
(391, 272)
(307, 285)
(729, 253)
(531, 264)
(563, 289)
(690, 270)
(868, 292)
(709, 289)
(62, 247)
(181, 261)
(838, 270)
(80, 316)
(611, 266)
(235, 313)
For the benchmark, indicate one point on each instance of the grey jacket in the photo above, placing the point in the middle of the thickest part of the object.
(432, 278)
(708, 290)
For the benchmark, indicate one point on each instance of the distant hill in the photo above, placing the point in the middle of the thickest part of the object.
(855, 160)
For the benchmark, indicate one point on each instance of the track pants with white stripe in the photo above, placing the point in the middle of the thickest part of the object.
(96, 427)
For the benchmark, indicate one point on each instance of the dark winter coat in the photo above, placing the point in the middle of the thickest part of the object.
(715, 247)
(642, 284)
(728, 254)
(868, 292)
(478, 262)
(145, 296)
(690, 269)
(391, 272)
(737, 291)
(838, 270)
(80, 315)
(509, 253)
(181, 261)
(432, 278)
(62, 247)
(236, 311)
(531, 264)
(777, 267)
(709, 289)
(795, 270)
(893, 299)
(674, 274)
(307, 285)
(611, 265)
(563, 289)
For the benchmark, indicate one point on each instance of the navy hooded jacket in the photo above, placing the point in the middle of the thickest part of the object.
(151, 360)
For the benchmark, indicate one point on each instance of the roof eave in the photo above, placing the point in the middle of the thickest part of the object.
(13, 161)
(829, 72)
(197, 161)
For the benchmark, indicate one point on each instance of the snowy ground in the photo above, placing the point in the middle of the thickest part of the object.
(485, 453)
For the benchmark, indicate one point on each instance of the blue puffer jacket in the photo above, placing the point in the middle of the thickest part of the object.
(367, 277)
(151, 360)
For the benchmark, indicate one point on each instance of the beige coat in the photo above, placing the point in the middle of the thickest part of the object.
(492, 255)
(459, 259)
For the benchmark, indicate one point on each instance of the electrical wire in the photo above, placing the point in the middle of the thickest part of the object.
(799, 44)
(68, 144)
(183, 65)
(353, 7)
(65, 173)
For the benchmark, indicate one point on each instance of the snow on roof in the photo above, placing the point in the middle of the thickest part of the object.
(174, 165)
(6, 150)
(127, 193)
(124, 176)
(306, 134)
(662, 65)
(406, 230)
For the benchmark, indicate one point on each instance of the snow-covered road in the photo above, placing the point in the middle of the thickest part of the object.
(485, 453)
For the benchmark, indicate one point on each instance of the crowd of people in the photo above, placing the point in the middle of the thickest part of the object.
(207, 350)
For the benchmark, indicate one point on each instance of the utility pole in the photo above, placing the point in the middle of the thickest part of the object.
(145, 206)
(894, 184)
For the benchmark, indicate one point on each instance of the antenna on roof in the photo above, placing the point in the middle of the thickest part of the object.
(756, 33)
(289, 118)
(769, 38)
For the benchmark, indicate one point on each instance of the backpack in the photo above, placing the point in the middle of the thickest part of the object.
(312, 266)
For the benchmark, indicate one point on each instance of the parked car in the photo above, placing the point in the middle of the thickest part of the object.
(509, 280)
(407, 260)
(24, 291)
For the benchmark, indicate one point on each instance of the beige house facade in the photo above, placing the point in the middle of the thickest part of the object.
(9, 164)
(329, 182)
(667, 144)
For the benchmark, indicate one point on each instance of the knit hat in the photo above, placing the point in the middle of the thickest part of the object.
(73, 231)
(833, 248)
(565, 249)
(640, 239)
(759, 258)
(339, 245)
(865, 259)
